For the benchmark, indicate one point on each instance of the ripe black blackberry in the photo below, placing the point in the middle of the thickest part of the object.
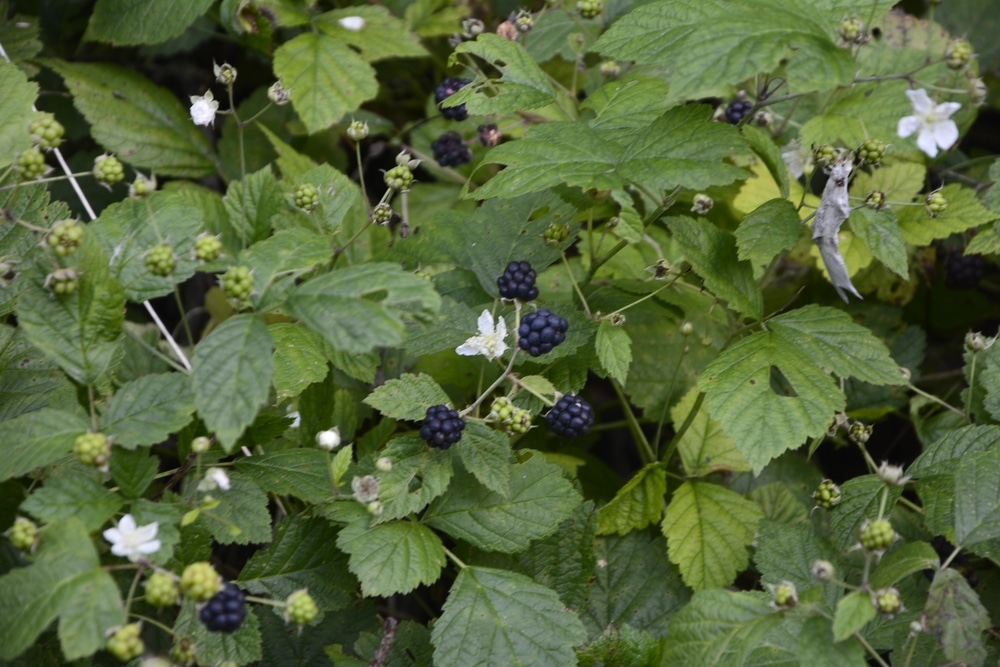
(963, 271)
(541, 331)
(570, 417)
(225, 611)
(518, 282)
(449, 87)
(442, 427)
(736, 110)
(450, 150)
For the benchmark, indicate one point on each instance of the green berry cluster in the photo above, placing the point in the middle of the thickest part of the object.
(126, 644)
(46, 131)
(827, 494)
(23, 533)
(183, 652)
(300, 608)
(785, 595)
(161, 590)
(610, 69)
(207, 248)
(824, 154)
(936, 204)
(382, 214)
(887, 602)
(589, 9)
(65, 236)
(108, 170)
(306, 197)
(875, 200)
(160, 260)
(877, 535)
(142, 186)
(871, 151)
(62, 281)
(92, 449)
(200, 581)
(859, 432)
(357, 130)
(959, 54)
(30, 164)
(399, 178)
(237, 283)
(555, 233)
(852, 30)
(509, 417)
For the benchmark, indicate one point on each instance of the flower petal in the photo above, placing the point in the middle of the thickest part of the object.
(926, 142)
(127, 524)
(945, 133)
(920, 101)
(472, 347)
(148, 532)
(113, 535)
(946, 109)
(150, 547)
(501, 329)
(485, 323)
(907, 126)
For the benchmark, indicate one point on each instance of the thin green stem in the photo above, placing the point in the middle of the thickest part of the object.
(50, 179)
(645, 451)
(937, 400)
(184, 319)
(666, 404)
(93, 408)
(572, 280)
(149, 348)
(674, 441)
(154, 622)
(131, 588)
(455, 559)
(669, 283)
(361, 177)
(871, 651)
(883, 501)
(950, 558)
(510, 365)
(972, 387)
(267, 601)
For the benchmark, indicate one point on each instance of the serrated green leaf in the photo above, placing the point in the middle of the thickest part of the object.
(522, 85)
(769, 229)
(327, 79)
(708, 528)
(419, 474)
(977, 499)
(231, 376)
(393, 557)
(302, 473)
(765, 148)
(964, 212)
(817, 646)
(853, 612)
(787, 553)
(861, 498)
(637, 504)
(903, 561)
(136, 22)
(73, 493)
(19, 35)
(554, 33)
(991, 199)
(143, 124)
(407, 397)
(363, 307)
(625, 644)
(16, 111)
(382, 35)
(65, 581)
(341, 462)
(434, 18)
(779, 503)
(281, 259)
(540, 498)
(880, 232)
(614, 349)
(300, 557)
(252, 203)
(298, 359)
(241, 647)
(38, 439)
(626, 103)
(564, 561)
(133, 470)
(28, 381)
(241, 515)
(503, 618)
(148, 410)
(538, 384)
(956, 617)
(712, 253)
(704, 447)
(485, 453)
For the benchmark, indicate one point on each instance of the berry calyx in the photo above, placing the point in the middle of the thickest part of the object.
(589, 9)
(300, 608)
(827, 494)
(225, 611)
(875, 200)
(489, 135)
(570, 417)
(399, 178)
(207, 248)
(446, 89)
(237, 283)
(450, 150)
(852, 30)
(859, 432)
(92, 449)
(64, 237)
(23, 533)
(888, 602)
(142, 186)
(30, 164)
(442, 426)
(161, 590)
(877, 535)
(306, 197)
(871, 151)
(62, 281)
(108, 170)
(541, 331)
(518, 282)
(736, 110)
(160, 260)
(46, 131)
(936, 204)
(200, 581)
(357, 130)
(126, 644)
(959, 54)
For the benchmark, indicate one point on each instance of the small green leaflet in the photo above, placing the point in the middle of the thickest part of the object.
(772, 227)
(128, 23)
(241, 516)
(977, 504)
(817, 647)
(381, 36)
(302, 473)
(862, 497)
(853, 611)
(73, 494)
(419, 474)
(964, 212)
(407, 397)
(148, 409)
(614, 350)
(15, 109)
(637, 504)
(485, 453)
(903, 561)
(298, 358)
(252, 203)
(393, 557)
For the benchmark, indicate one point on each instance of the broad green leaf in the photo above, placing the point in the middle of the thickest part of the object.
(342, 460)
(879, 231)
(861, 498)
(37, 439)
(977, 501)
(769, 229)
(634, 584)
(624, 644)
(817, 646)
(242, 647)
(148, 410)
(339, 197)
(760, 36)
(327, 78)
(522, 85)
(143, 124)
(298, 359)
(65, 581)
(853, 612)
(779, 503)
(231, 376)
(29, 381)
(434, 18)
(564, 561)
(956, 617)
(991, 199)
(73, 493)
(502, 618)
(637, 504)
(281, 259)
(964, 212)
(540, 499)
(19, 34)
(704, 447)
(614, 349)
(252, 203)
(393, 557)
(16, 111)
(137, 22)
(626, 103)
(419, 474)
(382, 35)
(708, 528)
(900, 181)
(80, 331)
(765, 148)
(554, 34)
(291, 163)
(712, 253)
(300, 557)
(407, 397)
(787, 553)
(485, 453)
(241, 517)
(302, 473)
(133, 470)
(363, 307)
(903, 561)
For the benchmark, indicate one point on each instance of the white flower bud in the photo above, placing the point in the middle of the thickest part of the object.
(329, 439)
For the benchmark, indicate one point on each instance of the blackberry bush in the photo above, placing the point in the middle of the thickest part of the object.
(225, 611)
(518, 282)
(446, 89)
(450, 150)
(570, 417)
(541, 331)
(442, 427)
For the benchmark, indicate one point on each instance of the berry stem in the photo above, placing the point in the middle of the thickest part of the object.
(645, 451)
(184, 319)
(361, 178)
(666, 407)
(912, 387)
(871, 651)
(576, 287)
(131, 589)
(153, 621)
(455, 559)
(544, 399)
(93, 408)
(674, 441)
(950, 558)
(268, 601)
(50, 179)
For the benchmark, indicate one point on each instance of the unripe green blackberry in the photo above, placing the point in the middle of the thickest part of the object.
(183, 652)
(62, 281)
(65, 236)
(610, 69)
(160, 260)
(200, 581)
(978, 92)
(92, 449)
(161, 590)
(824, 154)
(237, 283)
(888, 602)
(399, 178)
(382, 214)
(300, 608)
(859, 432)
(46, 131)
(852, 30)
(827, 494)
(126, 644)
(201, 444)
(207, 248)
(785, 595)
(30, 164)
(501, 409)
(108, 170)
(23, 533)
(936, 204)
(555, 233)
(875, 200)
(590, 9)
(877, 535)
(871, 151)
(306, 197)
(142, 186)
(959, 54)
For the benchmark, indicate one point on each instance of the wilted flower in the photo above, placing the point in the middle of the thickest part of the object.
(931, 122)
(490, 341)
(278, 94)
(133, 541)
(365, 489)
(215, 478)
(892, 475)
(204, 108)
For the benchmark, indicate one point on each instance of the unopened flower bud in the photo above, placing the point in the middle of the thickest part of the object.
(383, 464)
(472, 27)
(823, 570)
(977, 342)
(785, 595)
(875, 200)
(702, 204)
(859, 432)
(978, 92)
(224, 73)
(357, 130)
(200, 445)
(610, 69)
(278, 94)
(329, 439)
(958, 54)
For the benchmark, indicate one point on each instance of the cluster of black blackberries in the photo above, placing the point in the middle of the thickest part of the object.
(446, 89)
(450, 150)
(963, 271)
(518, 282)
(442, 426)
(737, 109)
(570, 417)
(224, 611)
(541, 331)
